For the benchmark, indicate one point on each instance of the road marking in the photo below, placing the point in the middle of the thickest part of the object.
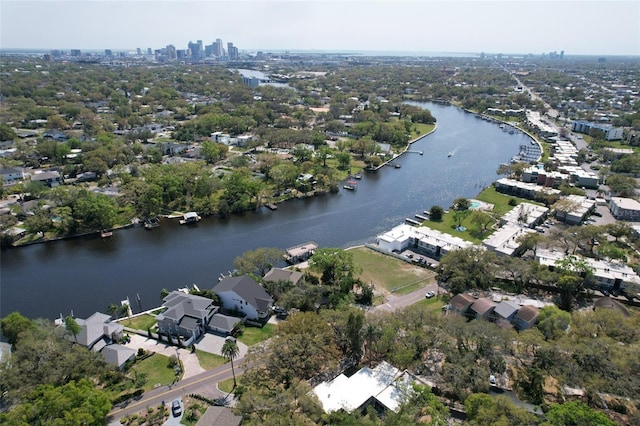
(173, 389)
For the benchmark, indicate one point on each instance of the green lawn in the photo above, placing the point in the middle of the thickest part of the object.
(432, 305)
(157, 370)
(422, 129)
(389, 272)
(142, 322)
(252, 335)
(226, 385)
(209, 361)
(488, 195)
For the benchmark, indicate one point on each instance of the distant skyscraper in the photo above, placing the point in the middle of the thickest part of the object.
(196, 49)
(171, 52)
(139, 51)
(149, 51)
(76, 52)
(108, 52)
(232, 51)
(217, 51)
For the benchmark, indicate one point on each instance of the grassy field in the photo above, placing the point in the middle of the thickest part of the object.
(422, 129)
(388, 272)
(209, 361)
(252, 335)
(142, 322)
(157, 370)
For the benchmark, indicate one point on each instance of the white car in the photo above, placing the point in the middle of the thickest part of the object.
(429, 294)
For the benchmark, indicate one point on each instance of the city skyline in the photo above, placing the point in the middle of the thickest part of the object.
(473, 26)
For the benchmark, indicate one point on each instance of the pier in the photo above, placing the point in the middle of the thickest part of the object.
(301, 252)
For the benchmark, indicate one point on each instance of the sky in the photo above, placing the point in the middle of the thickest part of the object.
(578, 27)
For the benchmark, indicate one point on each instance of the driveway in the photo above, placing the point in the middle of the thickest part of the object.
(189, 360)
(395, 302)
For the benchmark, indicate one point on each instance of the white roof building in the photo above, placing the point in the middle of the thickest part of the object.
(384, 384)
(436, 243)
(505, 240)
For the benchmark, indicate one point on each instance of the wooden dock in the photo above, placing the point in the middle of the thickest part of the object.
(301, 252)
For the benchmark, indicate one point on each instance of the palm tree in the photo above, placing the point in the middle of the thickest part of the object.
(230, 351)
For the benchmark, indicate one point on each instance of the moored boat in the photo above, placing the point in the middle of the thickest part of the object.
(189, 218)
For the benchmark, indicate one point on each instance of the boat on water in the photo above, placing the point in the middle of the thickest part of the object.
(357, 176)
(350, 185)
(450, 154)
(189, 218)
(151, 222)
(106, 233)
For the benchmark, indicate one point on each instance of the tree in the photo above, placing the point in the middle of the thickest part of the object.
(335, 264)
(436, 213)
(74, 403)
(530, 241)
(230, 351)
(553, 322)
(258, 261)
(576, 413)
(481, 219)
(466, 268)
(71, 325)
(7, 133)
(14, 324)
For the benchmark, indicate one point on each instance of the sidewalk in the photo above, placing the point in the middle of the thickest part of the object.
(189, 360)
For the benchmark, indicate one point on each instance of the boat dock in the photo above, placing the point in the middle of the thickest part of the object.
(419, 216)
(412, 222)
(301, 252)
(271, 206)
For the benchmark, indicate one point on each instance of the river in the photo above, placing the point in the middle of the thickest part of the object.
(86, 275)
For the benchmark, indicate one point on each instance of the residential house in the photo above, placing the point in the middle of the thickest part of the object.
(505, 311)
(99, 334)
(49, 178)
(481, 308)
(460, 303)
(219, 416)
(384, 387)
(526, 317)
(118, 354)
(186, 315)
(224, 325)
(625, 208)
(278, 274)
(11, 174)
(243, 295)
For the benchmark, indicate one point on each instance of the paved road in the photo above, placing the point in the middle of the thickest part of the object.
(395, 302)
(203, 384)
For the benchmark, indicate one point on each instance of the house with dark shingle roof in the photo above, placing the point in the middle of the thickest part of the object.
(186, 315)
(245, 296)
(460, 303)
(482, 308)
(526, 317)
(279, 274)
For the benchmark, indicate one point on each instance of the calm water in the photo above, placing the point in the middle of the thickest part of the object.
(46, 280)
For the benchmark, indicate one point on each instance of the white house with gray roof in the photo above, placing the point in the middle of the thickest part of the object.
(243, 295)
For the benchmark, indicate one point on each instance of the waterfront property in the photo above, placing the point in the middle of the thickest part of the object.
(244, 296)
(186, 315)
(506, 240)
(432, 243)
(99, 334)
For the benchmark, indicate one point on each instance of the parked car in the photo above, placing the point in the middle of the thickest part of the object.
(176, 408)
(492, 379)
(604, 292)
(429, 294)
